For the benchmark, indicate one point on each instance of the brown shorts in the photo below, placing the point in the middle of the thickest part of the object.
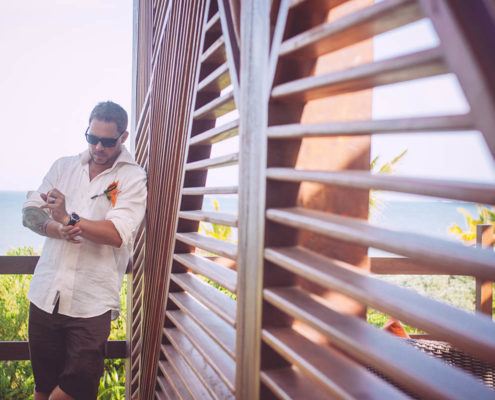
(67, 351)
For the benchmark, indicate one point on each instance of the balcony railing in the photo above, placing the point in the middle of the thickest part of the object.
(18, 350)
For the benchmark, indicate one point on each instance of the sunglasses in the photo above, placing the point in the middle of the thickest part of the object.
(105, 142)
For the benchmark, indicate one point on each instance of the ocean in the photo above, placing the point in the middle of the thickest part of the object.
(426, 217)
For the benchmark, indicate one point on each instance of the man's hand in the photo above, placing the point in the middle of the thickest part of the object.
(55, 202)
(71, 233)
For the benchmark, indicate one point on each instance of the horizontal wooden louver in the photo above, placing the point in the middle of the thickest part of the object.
(301, 277)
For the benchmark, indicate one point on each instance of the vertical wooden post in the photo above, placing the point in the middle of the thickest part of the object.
(484, 291)
(253, 111)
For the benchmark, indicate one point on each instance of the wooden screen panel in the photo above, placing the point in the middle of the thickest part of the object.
(295, 330)
(199, 329)
(309, 232)
(135, 277)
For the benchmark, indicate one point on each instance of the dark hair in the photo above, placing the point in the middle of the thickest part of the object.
(108, 111)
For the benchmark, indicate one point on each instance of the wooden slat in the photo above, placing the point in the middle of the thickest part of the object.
(360, 25)
(399, 266)
(457, 190)
(217, 162)
(462, 28)
(442, 255)
(225, 277)
(18, 264)
(214, 299)
(221, 332)
(218, 80)
(213, 217)
(216, 388)
(417, 372)
(231, 36)
(216, 108)
(289, 383)
(191, 382)
(451, 123)
(223, 365)
(466, 331)
(277, 37)
(213, 23)
(166, 391)
(399, 69)
(200, 191)
(216, 134)
(213, 245)
(328, 368)
(215, 53)
(134, 385)
(174, 381)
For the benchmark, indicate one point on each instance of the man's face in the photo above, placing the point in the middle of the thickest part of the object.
(105, 156)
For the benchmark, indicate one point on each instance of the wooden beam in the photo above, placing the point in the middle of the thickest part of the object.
(18, 264)
(484, 287)
(19, 350)
(255, 36)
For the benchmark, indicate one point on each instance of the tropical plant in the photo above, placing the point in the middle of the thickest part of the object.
(387, 168)
(468, 236)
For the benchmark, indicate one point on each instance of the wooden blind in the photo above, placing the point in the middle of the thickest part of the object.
(298, 275)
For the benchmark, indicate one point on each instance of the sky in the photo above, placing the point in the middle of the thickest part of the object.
(61, 57)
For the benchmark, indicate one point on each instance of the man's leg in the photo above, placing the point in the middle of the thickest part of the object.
(59, 394)
(40, 396)
(85, 344)
(46, 350)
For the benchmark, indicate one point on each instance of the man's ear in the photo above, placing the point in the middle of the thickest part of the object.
(124, 136)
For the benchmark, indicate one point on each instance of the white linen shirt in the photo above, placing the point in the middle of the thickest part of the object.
(87, 277)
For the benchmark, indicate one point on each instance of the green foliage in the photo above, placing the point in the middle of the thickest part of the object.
(16, 379)
(378, 319)
(217, 286)
(457, 291)
(221, 232)
(22, 251)
(485, 216)
(387, 168)
(112, 384)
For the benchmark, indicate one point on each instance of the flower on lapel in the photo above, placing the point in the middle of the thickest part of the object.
(110, 192)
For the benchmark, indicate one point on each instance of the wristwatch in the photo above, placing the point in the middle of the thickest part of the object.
(74, 219)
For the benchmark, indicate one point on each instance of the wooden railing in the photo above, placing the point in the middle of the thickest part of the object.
(19, 350)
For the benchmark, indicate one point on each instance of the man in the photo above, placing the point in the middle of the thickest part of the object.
(89, 207)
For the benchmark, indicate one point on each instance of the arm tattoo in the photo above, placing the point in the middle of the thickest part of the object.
(35, 219)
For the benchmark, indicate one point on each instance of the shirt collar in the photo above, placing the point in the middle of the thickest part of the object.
(123, 158)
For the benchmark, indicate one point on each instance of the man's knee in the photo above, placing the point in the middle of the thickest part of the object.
(59, 394)
(40, 396)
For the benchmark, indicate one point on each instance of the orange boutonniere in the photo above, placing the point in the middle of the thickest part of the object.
(110, 192)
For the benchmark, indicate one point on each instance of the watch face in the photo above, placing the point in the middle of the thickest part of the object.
(74, 219)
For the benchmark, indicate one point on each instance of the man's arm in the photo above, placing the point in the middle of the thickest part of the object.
(41, 223)
(36, 219)
(101, 232)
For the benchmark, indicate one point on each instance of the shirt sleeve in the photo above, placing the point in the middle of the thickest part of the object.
(33, 198)
(130, 205)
